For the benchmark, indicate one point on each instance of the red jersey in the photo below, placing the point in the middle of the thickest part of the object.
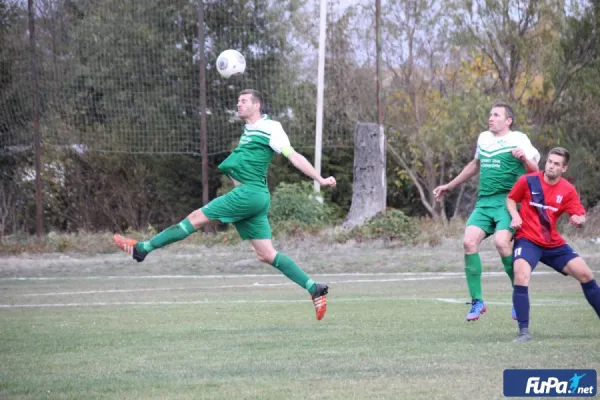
(541, 205)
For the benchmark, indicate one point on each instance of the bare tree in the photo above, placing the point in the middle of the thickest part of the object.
(414, 53)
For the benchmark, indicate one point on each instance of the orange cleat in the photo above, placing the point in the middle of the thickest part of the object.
(128, 246)
(320, 300)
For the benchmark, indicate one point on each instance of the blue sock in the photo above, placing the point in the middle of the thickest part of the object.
(591, 290)
(521, 303)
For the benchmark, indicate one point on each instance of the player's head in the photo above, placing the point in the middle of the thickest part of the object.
(501, 118)
(557, 162)
(250, 104)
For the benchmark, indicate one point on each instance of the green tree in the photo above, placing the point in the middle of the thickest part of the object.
(511, 35)
(14, 70)
(430, 117)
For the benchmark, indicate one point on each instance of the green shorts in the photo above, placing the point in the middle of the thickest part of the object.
(490, 219)
(246, 207)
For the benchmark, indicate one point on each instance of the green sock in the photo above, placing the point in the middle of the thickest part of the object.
(290, 269)
(174, 233)
(508, 267)
(473, 273)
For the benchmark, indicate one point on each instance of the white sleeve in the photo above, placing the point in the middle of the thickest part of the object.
(477, 148)
(279, 142)
(530, 151)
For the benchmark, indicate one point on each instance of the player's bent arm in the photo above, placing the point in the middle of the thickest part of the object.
(531, 156)
(280, 143)
(531, 165)
(511, 206)
(300, 162)
(573, 205)
(469, 171)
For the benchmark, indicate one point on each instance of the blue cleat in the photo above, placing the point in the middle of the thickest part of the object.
(477, 308)
(514, 313)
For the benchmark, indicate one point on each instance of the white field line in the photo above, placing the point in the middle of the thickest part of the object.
(538, 302)
(243, 276)
(253, 285)
(411, 277)
(212, 302)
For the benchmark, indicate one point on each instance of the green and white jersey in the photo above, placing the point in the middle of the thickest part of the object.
(499, 170)
(250, 160)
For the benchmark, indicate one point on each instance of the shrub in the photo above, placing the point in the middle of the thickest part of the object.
(390, 225)
(296, 202)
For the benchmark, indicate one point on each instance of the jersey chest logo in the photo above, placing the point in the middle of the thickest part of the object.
(245, 140)
(559, 199)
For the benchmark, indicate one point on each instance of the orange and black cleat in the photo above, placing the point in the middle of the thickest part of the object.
(129, 247)
(319, 299)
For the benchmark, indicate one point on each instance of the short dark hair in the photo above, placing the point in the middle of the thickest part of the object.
(256, 97)
(508, 111)
(564, 153)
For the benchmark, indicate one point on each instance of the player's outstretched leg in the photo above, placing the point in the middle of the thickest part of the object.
(174, 233)
(578, 269)
(318, 291)
(591, 290)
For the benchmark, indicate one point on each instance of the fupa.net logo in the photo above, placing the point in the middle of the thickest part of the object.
(550, 383)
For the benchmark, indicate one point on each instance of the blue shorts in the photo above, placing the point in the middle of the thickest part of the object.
(556, 257)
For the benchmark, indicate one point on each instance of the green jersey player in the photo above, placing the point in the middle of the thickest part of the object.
(247, 205)
(502, 156)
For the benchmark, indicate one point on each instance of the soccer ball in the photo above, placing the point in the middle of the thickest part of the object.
(230, 63)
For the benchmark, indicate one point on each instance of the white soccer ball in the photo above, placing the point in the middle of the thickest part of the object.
(230, 63)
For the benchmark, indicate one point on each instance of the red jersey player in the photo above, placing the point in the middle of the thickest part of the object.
(544, 196)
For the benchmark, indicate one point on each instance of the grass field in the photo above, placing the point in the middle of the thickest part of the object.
(213, 323)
